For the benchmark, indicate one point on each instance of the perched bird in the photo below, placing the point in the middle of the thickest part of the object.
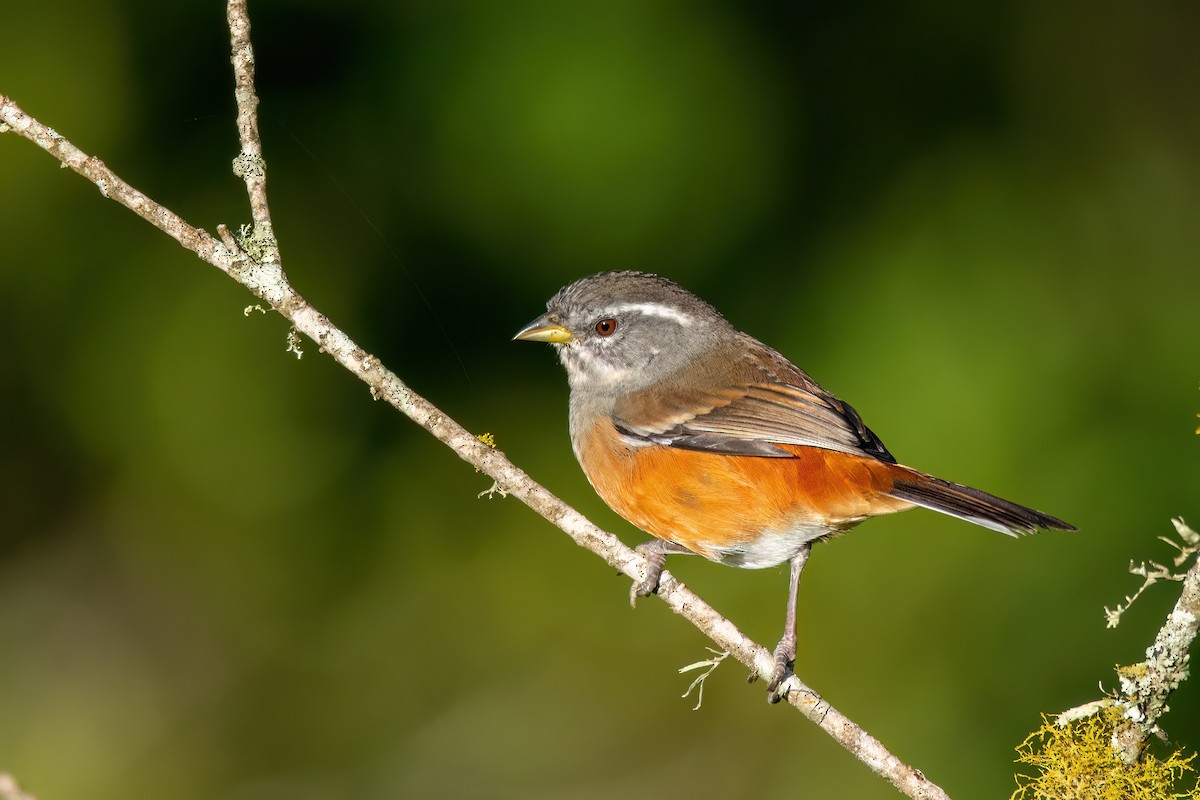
(715, 444)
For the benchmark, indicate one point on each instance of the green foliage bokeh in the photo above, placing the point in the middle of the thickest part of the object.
(227, 573)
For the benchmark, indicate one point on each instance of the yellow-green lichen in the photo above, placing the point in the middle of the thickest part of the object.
(1076, 762)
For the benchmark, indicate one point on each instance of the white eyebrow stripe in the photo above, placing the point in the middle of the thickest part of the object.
(655, 310)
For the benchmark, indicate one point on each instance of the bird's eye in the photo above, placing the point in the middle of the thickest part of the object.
(606, 327)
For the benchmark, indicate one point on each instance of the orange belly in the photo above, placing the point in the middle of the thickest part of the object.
(741, 510)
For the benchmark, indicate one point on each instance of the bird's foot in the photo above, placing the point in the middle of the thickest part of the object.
(656, 556)
(785, 659)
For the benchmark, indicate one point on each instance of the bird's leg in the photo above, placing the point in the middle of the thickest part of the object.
(655, 552)
(785, 651)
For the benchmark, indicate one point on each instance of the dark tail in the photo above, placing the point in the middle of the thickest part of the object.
(972, 505)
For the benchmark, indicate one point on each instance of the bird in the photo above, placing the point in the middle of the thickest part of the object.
(717, 445)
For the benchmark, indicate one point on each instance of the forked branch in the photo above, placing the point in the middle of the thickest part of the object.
(252, 259)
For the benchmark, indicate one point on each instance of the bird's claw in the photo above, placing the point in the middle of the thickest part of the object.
(648, 585)
(785, 657)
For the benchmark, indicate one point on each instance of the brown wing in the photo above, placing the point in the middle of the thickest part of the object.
(756, 403)
(759, 400)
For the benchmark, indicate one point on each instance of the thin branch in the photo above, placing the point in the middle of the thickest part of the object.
(1187, 546)
(253, 261)
(250, 165)
(13, 119)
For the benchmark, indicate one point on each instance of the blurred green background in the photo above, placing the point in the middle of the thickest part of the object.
(228, 573)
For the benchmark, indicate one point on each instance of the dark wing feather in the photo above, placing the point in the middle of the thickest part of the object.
(765, 402)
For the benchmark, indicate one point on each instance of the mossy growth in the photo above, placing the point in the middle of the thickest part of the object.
(1077, 762)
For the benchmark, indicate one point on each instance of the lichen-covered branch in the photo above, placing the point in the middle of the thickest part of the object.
(1146, 686)
(250, 165)
(1101, 745)
(13, 119)
(1076, 762)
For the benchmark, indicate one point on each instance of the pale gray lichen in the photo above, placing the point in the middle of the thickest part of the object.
(248, 166)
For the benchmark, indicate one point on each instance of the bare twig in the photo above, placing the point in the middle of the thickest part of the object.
(112, 187)
(1188, 546)
(1151, 574)
(252, 259)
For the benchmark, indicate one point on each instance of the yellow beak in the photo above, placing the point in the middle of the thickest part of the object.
(542, 330)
